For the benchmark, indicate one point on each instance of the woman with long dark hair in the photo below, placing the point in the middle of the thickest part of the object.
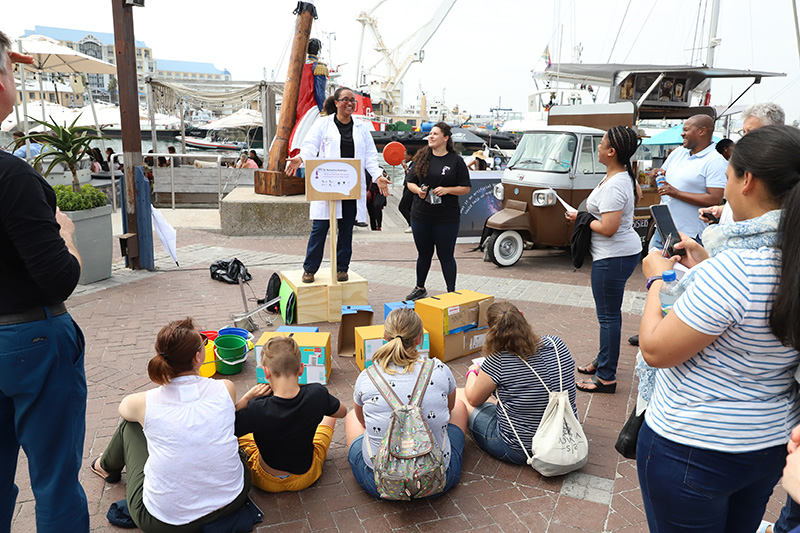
(337, 136)
(438, 177)
(615, 249)
(176, 442)
(725, 398)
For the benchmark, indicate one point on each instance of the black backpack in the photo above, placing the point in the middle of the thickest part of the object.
(273, 291)
(229, 271)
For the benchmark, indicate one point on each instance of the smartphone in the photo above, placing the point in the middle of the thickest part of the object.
(666, 228)
(711, 219)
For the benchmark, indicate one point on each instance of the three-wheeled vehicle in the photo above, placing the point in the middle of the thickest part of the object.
(559, 161)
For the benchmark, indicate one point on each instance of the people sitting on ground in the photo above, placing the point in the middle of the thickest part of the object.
(176, 161)
(176, 441)
(285, 428)
(254, 157)
(245, 161)
(725, 396)
(513, 353)
(395, 370)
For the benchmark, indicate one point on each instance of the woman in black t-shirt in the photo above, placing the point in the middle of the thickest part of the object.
(438, 177)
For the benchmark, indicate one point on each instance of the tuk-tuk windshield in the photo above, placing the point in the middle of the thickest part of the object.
(544, 151)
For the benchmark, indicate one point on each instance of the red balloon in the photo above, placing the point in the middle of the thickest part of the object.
(394, 152)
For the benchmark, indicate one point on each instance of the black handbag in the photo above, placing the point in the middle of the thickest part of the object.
(629, 436)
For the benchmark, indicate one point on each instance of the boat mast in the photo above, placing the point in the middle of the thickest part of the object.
(713, 42)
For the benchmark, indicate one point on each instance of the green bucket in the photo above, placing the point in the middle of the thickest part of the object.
(231, 353)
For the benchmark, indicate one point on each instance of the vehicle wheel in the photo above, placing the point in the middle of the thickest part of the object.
(505, 248)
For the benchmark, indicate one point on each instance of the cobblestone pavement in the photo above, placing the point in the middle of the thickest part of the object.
(121, 316)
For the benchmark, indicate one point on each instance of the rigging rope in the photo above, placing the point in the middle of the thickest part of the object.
(619, 31)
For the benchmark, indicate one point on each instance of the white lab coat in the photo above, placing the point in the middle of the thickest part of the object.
(324, 141)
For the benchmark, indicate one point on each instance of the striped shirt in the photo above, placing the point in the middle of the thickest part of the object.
(738, 394)
(522, 394)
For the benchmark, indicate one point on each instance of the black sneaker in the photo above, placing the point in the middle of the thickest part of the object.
(634, 340)
(417, 293)
(361, 224)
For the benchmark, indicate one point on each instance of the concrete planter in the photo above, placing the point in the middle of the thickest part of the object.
(94, 239)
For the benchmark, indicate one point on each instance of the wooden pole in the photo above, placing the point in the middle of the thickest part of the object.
(125, 50)
(291, 91)
(334, 228)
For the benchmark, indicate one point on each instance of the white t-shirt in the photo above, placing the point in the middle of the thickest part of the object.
(738, 394)
(694, 174)
(377, 411)
(615, 194)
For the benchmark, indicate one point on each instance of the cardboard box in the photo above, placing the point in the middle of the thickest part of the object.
(299, 329)
(454, 312)
(369, 339)
(353, 316)
(322, 301)
(389, 307)
(449, 347)
(315, 353)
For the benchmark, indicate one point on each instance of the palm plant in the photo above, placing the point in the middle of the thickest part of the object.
(64, 144)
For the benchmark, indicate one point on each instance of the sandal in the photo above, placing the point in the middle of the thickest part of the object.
(599, 386)
(764, 526)
(108, 478)
(590, 369)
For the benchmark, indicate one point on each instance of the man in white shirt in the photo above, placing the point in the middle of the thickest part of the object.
(695, 177)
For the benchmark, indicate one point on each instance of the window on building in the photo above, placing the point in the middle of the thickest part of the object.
(138, 52)
(52, 97)
(147, 54)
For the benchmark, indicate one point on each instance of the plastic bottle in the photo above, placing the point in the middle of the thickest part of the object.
(668, 293)
(660, 181)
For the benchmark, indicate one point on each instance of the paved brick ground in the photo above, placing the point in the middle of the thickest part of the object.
(121, 316)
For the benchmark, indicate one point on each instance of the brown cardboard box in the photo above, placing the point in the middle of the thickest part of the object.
(453, 312)
(451, 347)
(353, 316)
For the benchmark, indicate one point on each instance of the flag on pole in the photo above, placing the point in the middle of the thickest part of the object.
(546, 55)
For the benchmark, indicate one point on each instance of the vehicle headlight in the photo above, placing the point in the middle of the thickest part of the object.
(544, 198)
(498, 191)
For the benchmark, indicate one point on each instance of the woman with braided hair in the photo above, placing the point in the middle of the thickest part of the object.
(615, 250)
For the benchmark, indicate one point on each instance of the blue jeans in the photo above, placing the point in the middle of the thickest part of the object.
(366, 476)
(43, 409)
(789, 520)
(344, 240)
(608, 286)
(441, 237)
(693, 489)
(486, 433)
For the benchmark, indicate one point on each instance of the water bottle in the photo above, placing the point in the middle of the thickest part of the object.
(668, 293)
(660, 181)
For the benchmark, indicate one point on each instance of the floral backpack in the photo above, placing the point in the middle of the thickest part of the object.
(409, 463)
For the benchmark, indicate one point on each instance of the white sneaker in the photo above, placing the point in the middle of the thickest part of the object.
(408, 229)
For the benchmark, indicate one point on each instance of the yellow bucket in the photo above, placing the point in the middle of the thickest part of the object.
(209, 368)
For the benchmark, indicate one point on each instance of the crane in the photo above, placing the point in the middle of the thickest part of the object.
(399, 60)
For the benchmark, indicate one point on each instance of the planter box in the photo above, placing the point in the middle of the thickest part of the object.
(95, 242)
(62, 176)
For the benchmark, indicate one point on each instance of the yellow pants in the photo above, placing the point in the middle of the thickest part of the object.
(269, 483)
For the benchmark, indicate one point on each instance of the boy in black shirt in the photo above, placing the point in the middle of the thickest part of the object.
(285, 435)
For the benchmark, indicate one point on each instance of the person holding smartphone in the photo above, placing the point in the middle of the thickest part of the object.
(439, 176)
(615, 249)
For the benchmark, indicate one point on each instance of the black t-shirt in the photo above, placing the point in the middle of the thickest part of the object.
(448, 170)
(36, 268)
(284, 428)
(347, 146)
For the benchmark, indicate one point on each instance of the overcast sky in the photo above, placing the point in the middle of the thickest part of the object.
(483, 52)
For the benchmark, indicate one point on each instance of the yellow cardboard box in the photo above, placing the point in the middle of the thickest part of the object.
(370, 338)
(456, 322)
(315, 353)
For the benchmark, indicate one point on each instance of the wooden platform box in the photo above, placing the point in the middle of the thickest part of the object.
(322, 301)
(278, 183)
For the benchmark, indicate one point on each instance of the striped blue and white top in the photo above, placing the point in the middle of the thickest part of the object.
(522, 393)
(738, 394)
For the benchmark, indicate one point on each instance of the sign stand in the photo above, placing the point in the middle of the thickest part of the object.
(334, 228)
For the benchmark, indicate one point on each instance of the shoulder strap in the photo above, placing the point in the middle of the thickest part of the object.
(558, 362)
(521, 444)
(422, 383)
(384, 388)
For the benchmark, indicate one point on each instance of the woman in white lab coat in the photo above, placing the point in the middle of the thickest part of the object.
(338, 136)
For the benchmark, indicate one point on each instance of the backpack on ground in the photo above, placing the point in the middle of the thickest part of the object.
(409, 463)
(273, 291)
(559, 445)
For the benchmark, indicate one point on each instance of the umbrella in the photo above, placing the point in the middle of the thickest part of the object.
(244, 118)
(670, 137)
(49, 56)
(58, 112)
(166, 233)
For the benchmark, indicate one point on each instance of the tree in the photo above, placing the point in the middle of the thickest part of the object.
(112, 89)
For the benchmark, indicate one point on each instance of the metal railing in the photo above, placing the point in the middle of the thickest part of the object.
(218, 158)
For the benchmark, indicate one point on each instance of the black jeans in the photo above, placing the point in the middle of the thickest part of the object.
(442, 237)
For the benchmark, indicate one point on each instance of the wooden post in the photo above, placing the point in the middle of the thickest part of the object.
(334, 228)
(291, 91)
(125, 50)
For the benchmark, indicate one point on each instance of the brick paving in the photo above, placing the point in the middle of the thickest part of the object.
(121, 316)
